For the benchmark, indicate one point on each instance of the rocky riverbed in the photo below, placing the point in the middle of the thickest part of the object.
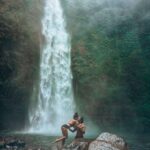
(43, 142)
(105, 141)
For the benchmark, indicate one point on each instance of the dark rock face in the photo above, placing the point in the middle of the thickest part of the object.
(79, 144)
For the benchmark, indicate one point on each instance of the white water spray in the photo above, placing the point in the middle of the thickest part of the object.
(55, 99)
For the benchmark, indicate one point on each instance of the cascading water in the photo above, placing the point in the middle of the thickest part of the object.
(55, 99)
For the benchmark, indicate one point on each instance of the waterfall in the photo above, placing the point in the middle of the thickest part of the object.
(55, 104)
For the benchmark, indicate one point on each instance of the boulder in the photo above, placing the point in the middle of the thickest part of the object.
(57, 146)
(108, 141)
(77, 144)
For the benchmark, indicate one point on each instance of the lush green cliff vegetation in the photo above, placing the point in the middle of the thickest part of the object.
(111, 61)
(20, 36)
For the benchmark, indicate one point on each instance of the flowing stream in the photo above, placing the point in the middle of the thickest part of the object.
(55, 104)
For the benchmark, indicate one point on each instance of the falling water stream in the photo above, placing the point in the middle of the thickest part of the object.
(55, 103)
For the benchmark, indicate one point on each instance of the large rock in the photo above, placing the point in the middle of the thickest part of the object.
(107, 141)
(57, 146)
(78, 144)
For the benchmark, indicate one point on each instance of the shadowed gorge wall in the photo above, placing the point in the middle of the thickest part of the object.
(20, 33)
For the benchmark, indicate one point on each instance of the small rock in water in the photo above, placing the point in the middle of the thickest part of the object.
(14, 144)
(21, 143)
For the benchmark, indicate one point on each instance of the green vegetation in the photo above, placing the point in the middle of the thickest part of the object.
(110, 63)
(20, 33)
